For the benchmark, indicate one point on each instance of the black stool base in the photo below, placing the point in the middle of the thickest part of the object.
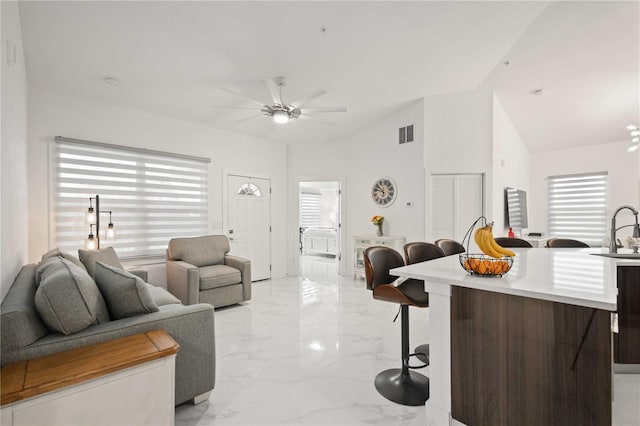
(405, 389)
(422, 353)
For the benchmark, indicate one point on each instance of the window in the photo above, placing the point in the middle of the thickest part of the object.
(310, 209)
(153, 196)
(249, 190)
(578, 207)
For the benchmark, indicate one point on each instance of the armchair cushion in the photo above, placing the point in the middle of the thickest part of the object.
(107, 256)
(218, 276)
(199, 251)
(126, 295)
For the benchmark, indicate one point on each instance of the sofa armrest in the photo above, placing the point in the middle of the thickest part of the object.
(140, 273)
(183, 281)
(244, 265)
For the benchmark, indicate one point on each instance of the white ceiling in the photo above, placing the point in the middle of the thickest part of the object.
(172, 58)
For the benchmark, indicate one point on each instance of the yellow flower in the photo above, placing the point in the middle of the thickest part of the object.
(377, 220)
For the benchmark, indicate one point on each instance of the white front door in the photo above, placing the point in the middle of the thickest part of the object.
(249, 222)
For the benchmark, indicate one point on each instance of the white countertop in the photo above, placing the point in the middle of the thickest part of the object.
(572, 276)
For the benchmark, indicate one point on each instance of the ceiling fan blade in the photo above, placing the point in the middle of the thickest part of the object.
(311, 117)
(253, 117)
(300, 101)
(235, 107)
(274, 89)
(262, 104)
(324, 109)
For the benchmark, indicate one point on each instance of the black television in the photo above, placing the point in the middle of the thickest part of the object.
(515, 208)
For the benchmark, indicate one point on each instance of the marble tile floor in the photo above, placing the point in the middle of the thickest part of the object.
(305, 351)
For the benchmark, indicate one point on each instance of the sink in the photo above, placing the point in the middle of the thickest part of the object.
(619, 255)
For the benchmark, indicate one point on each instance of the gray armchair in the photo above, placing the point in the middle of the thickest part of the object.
(200, 270)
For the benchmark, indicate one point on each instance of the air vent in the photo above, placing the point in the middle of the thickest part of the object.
(405, 134)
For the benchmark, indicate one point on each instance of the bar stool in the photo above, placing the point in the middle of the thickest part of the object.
(566, 243)
(421, 252)
(512, 242)
(449, 246)
(397, 384)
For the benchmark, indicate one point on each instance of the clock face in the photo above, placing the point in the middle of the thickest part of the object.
(384, 192)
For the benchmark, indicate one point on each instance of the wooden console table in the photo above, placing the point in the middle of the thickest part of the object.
(129, 381)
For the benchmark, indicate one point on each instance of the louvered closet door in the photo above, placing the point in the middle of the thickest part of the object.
(456, 202)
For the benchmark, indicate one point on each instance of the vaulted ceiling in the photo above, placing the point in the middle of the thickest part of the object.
(173, 58)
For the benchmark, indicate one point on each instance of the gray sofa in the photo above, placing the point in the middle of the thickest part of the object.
(26, 334)
(201, 270)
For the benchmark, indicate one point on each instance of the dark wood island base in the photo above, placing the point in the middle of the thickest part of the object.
(523, 361)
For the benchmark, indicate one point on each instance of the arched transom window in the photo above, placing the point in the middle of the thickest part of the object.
(250, 190)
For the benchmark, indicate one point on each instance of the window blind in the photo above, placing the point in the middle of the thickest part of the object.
(309, 209)
(578, 207)
(153, 196)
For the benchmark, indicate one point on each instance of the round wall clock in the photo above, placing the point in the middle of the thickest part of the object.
(384, 192)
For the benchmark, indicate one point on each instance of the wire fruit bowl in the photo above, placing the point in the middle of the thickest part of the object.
(481, 264)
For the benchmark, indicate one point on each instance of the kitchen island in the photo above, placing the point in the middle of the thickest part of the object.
(530, 347)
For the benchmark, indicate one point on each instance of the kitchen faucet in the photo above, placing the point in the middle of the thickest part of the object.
(613, 248)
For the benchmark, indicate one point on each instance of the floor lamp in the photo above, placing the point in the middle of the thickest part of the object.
(93, 219)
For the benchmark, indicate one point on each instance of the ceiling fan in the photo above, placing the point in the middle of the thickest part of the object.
(280, 111)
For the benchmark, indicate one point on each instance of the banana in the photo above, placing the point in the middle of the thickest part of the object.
(483, 238)
(488, 248)
(478, 236)
(494, 244)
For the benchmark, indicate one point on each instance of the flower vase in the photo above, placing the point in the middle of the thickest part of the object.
(379, 232)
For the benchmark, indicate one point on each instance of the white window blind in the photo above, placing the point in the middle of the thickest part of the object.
(153, 196)
(578, 207)
(456, 202)
(309, 209)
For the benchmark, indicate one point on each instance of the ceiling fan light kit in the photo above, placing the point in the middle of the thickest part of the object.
(282, 112)
(280, 116)
(634, 132)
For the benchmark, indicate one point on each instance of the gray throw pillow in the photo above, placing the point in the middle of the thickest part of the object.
(107, 256)
(56, 252)
(161, 296)
(126, 295)
(67, 299)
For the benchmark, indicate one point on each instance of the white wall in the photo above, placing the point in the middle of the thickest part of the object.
(622, 168)
(376, 153)
(358, 161)
(458, 139)
(13, 152)
(511, 164)
(53, 114)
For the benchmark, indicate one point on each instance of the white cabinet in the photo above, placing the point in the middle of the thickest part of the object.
(361, 242)
(125, 381)
(141, 395)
